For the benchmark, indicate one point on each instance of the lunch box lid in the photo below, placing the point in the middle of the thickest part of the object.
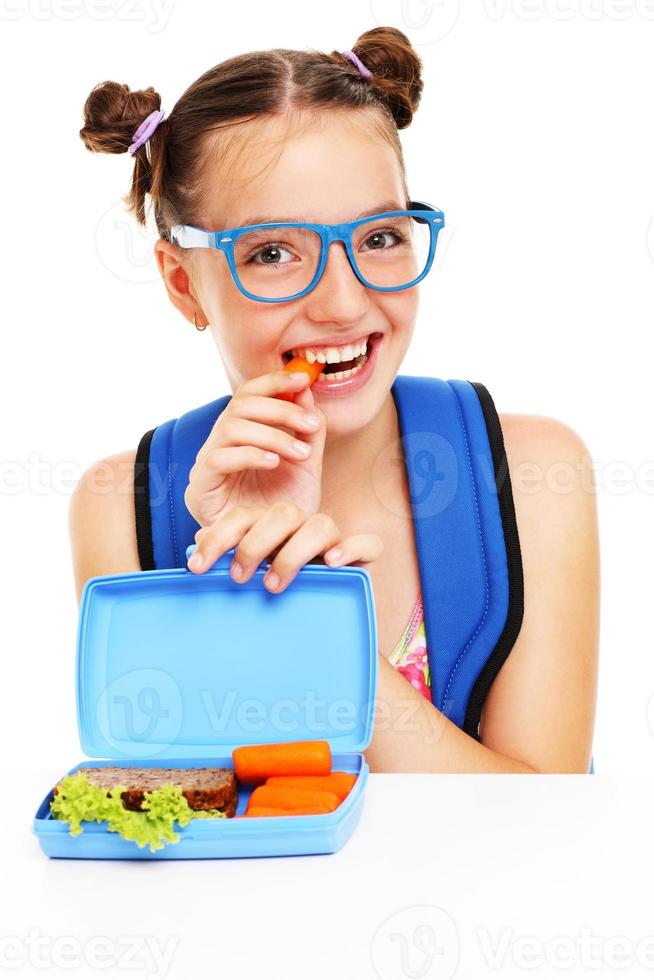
(171, 663)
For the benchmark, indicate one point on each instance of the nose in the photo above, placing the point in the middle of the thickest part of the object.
(338, 288)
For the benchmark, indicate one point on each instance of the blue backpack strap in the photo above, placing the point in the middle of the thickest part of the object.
(466, 538)
(464, 524)
(165, 455)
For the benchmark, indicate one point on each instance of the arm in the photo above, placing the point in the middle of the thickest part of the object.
(411, 735)
(539, 713)
(101, 520)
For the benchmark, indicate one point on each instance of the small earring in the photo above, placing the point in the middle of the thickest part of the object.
(196, 326)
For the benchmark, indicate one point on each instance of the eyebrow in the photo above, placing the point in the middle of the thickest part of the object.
(262, 219)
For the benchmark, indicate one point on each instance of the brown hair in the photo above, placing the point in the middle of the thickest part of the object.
(240, 90)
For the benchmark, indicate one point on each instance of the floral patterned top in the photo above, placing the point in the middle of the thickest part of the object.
(410, 652)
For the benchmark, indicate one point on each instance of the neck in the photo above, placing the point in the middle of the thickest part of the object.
(350, 460)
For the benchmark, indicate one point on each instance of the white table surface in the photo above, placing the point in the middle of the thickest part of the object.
(441, 873)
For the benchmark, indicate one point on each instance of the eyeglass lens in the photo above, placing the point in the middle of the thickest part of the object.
(280, 261)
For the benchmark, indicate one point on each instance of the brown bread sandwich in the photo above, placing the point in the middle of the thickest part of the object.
(143, 803)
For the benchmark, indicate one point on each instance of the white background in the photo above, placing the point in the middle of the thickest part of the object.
(534, 135)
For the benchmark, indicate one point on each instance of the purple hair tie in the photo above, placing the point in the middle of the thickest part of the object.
(355, 61)
(146, 129)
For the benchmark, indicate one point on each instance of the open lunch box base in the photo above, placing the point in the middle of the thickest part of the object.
(219, 838)
(168, 666)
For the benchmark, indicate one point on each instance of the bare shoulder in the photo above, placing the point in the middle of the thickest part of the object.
(553, 489)
(101, 520)
(525, 435)
(541, 705)
(551, 471)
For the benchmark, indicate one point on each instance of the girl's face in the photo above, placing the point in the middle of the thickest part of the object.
(325, 173)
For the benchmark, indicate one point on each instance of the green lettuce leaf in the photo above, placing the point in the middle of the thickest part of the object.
(78, 800)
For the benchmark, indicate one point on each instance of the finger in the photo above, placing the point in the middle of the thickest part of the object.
(354, 549)
(272, 528)
(317, 533)
(315, 438)
(242, 432)
(274, 382)
(286, 382)
(223, 534)
(289, 415)
(206, 474)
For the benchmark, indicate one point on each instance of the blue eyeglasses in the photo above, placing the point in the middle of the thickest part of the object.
(281, 261)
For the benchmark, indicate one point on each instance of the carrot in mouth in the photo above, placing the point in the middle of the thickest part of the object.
(299, 364)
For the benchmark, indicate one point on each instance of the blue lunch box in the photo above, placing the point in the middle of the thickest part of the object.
(176, 669)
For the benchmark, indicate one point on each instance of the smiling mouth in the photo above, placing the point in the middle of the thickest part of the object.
(340, 367)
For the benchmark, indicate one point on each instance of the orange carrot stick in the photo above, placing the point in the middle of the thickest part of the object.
(265, 811)
(288, 797)
(254, 763)
(299, 364)
(336, 782)
(273, 811)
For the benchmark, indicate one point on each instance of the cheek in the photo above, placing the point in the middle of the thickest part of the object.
(400, 311)
(250, 339)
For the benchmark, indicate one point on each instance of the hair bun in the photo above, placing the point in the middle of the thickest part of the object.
(112, 113)
(396, 69)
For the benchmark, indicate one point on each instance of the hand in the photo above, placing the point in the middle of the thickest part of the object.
(298, 537)
(231, 469)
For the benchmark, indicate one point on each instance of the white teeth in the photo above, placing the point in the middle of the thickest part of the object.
(332, 355)
(338, 375)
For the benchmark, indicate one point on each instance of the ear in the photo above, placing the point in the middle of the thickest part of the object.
(175, 269)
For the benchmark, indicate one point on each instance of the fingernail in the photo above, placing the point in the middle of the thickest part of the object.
(271, 580)
(196, 560)
(311, 419)
(334, 554)
(301, 448)
(298, 376)
(236, 570)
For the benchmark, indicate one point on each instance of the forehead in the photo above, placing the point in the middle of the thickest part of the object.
(327, 168)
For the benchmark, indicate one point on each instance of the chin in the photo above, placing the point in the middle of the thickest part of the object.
(349, 414)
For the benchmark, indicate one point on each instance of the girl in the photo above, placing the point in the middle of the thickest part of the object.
(308, 137)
